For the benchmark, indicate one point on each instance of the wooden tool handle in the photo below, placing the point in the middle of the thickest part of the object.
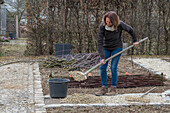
(113, 56)
(148, 92)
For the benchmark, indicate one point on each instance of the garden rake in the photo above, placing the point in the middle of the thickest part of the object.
(140, 98)
(80, 76)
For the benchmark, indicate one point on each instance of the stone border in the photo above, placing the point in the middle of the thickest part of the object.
(38, 93)
(164, 95)
(102, 105)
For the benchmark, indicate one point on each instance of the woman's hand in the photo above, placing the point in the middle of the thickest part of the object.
(135, 44)
(103, 61)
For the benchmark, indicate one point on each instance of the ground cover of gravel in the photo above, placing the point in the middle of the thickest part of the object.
(81, 98)
(157, 64)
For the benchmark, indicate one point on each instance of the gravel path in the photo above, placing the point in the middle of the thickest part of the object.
(155, 65)
(20, 89)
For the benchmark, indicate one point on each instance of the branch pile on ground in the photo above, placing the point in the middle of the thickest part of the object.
(72, 62)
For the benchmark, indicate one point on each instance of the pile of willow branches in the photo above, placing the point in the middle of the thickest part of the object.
(72, 62)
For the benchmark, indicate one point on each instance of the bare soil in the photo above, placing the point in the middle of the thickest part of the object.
(124, 66)
(124, 81)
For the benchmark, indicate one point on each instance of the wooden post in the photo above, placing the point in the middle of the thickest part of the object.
(47, 28)
(64, 25)
(17, 31)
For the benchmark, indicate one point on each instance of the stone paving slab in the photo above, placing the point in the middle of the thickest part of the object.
(20, 90)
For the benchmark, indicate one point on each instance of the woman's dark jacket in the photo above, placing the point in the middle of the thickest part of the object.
(112, 39)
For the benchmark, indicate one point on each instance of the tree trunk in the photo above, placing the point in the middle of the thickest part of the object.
(64, 24)
(159, 26)
(149, 25)
(51, 29)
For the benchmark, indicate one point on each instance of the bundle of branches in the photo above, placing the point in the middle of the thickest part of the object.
(72, 62)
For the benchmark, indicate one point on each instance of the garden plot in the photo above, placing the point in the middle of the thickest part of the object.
(79, 95)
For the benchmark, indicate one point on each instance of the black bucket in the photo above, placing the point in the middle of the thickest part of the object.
(58, 87)
(12, 35)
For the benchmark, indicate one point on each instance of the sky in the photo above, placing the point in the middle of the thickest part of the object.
(10, 8)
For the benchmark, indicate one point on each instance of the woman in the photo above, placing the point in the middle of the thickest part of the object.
(110, 43)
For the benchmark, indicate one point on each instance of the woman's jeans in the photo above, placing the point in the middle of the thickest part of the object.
(114, 64)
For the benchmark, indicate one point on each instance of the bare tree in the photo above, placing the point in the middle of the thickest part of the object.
(17, 8)
(165, 18)
(77, 22)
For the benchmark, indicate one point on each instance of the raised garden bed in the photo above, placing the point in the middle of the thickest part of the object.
(128, 81)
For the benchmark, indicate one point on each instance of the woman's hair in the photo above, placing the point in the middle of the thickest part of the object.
(114, 19)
